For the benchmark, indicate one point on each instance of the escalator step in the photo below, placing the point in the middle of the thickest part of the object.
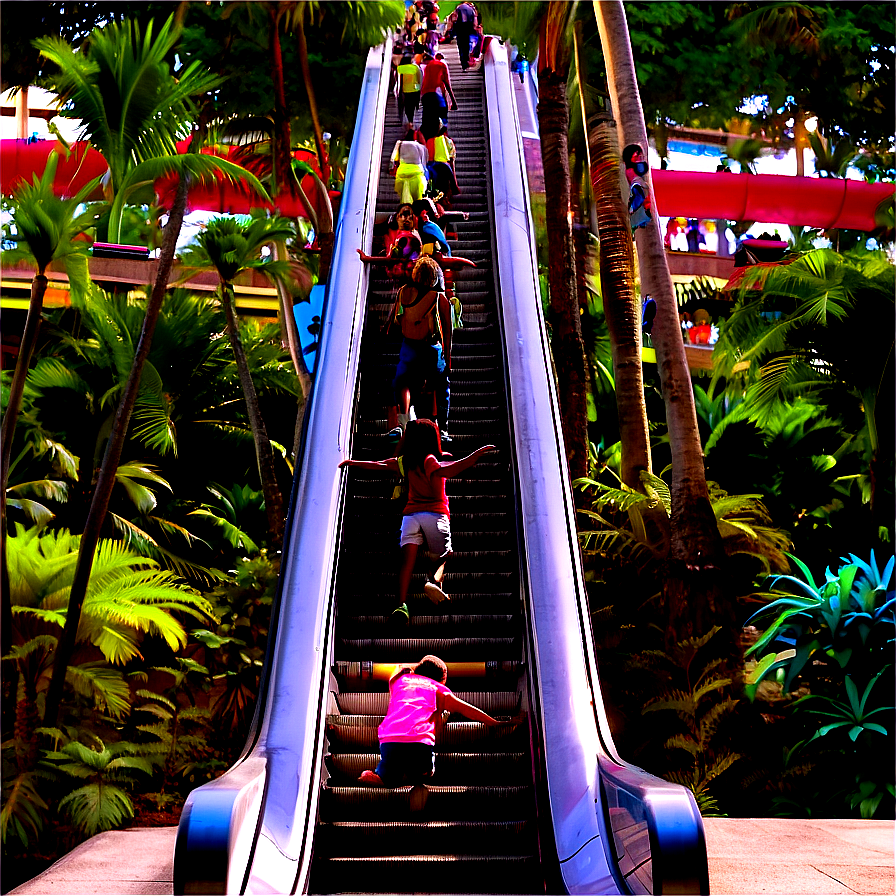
(444, 803)
(410, 650)
(427, 874)
(500, 703)
(370, 838)
(358, 734)
(430, 626)
(451, 768)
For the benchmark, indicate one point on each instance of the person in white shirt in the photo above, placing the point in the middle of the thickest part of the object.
(409, 160)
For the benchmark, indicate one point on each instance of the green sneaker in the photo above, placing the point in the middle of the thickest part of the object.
(400, 615)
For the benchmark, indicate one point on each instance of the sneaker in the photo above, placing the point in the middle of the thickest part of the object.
(400, 615)
(434, 593)
(371, 778)
(394, 433)
(443, 435)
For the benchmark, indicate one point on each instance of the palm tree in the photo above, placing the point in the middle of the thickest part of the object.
(129, 597)
(786, 28)
(830, 339)
(133, 108)
(693, 588)
(617, 276)
(48, 228)
(568, 348)
(230, 246)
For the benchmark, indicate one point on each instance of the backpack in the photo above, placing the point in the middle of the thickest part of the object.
(420, 316)
(464, 13)
(401, 491)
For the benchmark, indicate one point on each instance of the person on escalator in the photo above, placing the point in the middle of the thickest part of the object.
(410, 78)
(435, 92)
(423, 310)
(404, 246)
(409, 160)
(426, 520)
(464, 27)
(419, 705)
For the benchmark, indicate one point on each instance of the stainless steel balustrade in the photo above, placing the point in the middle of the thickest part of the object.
(615, 828)
(250, 830)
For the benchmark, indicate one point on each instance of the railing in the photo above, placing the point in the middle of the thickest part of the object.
(615, 827)
(250, 831)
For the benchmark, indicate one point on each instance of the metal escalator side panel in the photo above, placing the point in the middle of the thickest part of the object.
(250, 830)
(665, 852)
(571, 741)
(298, 705)
(657, 834)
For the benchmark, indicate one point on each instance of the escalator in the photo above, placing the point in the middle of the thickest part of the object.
(480, 807)
(540, 803)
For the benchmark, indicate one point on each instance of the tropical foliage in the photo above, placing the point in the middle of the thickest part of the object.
(826, 650)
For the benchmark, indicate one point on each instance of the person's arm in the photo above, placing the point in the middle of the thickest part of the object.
(392, 315)
(390, 464)
(446, 471)
(451, 703)
(375, 259)
(453, 261)
(445, 317)
(446, 83)
(399, 671)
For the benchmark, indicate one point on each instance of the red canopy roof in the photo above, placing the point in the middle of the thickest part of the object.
(20, 160)
(771, 198)
(806, 201)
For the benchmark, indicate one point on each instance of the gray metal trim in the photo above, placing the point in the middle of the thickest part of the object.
(226, 843)
(594, 795)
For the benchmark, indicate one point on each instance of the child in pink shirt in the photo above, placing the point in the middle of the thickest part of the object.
(419, 704)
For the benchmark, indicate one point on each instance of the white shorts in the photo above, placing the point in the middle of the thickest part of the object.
(431, 529)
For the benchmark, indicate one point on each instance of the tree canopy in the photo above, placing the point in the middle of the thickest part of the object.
(697, 64)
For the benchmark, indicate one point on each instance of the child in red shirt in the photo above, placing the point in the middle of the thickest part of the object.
(426, 519)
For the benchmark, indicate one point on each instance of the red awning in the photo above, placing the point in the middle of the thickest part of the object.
(20, 160)
(770, 198)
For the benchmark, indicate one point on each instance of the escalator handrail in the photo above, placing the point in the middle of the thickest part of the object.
(585, 776)
(251, 829)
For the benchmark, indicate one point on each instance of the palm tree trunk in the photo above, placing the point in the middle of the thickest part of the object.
(617, 278)
(694, 592)
(567, 346)
(273, 498)
(10, 417)
(322, 157)
(294, 342)
(99, 504)
(283, 174)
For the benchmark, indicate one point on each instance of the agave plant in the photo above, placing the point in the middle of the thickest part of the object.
(846, 622)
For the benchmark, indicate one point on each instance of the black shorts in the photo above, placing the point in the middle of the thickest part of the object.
(405, 763)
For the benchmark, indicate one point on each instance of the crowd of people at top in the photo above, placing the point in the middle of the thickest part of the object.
(415, 239)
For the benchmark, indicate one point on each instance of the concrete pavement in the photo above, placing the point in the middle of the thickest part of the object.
(775, 856)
